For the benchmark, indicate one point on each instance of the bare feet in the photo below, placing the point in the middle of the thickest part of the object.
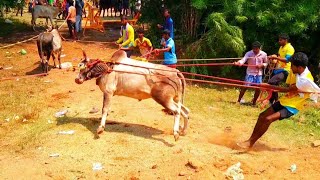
(244, 145)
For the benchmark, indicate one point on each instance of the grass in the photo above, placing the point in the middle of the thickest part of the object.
(23, 108)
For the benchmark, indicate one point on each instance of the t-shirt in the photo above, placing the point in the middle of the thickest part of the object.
(72, 12)
(255, 59)
(169, 26)
(127, 36)
(285, 51)
(143, 45)
(170, 57)
(295, 103)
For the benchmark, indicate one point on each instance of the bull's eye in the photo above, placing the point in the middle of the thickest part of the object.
(81, 66)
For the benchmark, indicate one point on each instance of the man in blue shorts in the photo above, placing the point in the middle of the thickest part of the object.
(258, 59)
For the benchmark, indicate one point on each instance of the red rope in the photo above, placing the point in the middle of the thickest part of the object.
(213, 64)
(220, 78)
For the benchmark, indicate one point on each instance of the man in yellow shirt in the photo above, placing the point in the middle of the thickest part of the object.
(282, 64)
(144, 44)
(127, 36)
(288, 105)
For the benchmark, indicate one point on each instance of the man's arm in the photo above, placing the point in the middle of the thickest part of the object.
(265, 61)
(167, 49)
(285, 60)
(243, 60)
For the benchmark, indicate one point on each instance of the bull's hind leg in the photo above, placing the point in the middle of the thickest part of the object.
(185, 115)
(168, 103)
(105, 108)
(176, 109)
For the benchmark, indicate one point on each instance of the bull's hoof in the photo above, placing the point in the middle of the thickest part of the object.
(176, 136)
(182, 133)
(100, 130)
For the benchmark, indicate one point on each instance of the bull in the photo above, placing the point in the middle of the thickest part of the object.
(138, 80)
(41, 11)
(49, 44)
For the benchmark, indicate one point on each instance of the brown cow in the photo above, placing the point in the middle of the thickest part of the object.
(139, 80)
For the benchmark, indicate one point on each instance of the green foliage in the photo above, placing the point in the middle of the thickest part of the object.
(224, 28)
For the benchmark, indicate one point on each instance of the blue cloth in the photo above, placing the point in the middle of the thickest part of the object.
(170, 57)
(277, 71)
(79, 6)
(169, 26)
(78, 23)
(253, 79)
(288, 57)
(292, 110)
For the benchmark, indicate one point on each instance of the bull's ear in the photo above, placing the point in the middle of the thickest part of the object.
(84, 55)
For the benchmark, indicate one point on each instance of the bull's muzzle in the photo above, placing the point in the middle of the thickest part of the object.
(79, 81)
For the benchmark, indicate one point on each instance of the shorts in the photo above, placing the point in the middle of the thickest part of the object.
(129, 52)
(253, 79)
(71, 25)
(284, 112)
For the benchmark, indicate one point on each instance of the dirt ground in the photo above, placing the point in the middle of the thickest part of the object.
(137, 142)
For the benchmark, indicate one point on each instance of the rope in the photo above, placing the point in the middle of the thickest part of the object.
(19, 42)
(90, 41)
(269, 88)
(210, 59)
(213, 64)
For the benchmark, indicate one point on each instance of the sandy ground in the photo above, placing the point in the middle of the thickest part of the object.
(137, 142)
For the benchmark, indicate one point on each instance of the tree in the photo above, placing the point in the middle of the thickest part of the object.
(6, 4)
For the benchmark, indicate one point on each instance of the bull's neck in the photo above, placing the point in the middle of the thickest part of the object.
(98, 70)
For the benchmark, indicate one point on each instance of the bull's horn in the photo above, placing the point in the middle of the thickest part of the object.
(84, 54)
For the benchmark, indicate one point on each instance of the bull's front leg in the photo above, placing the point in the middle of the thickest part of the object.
(105, 109)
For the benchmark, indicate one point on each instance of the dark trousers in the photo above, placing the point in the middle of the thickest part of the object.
(275, 80)
(129, 52)
(72, 27)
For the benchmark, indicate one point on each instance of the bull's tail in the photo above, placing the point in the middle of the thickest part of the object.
(183, 83)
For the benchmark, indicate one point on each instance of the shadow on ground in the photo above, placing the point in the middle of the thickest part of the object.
(113, 126)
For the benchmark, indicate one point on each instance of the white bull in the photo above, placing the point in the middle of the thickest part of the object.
(139, 80)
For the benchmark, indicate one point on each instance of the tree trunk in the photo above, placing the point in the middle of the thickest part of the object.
(190, 20)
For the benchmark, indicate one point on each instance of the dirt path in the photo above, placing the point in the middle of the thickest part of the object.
(137, 142)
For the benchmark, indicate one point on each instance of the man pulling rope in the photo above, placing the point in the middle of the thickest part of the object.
(299, 79)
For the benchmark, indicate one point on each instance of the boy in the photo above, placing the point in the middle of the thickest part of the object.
(144, 45)
(254, 74)
(169, 50)
(71, 20)
(282, 70)
(127, 36)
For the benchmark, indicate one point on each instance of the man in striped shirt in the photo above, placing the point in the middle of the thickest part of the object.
(258, 59)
